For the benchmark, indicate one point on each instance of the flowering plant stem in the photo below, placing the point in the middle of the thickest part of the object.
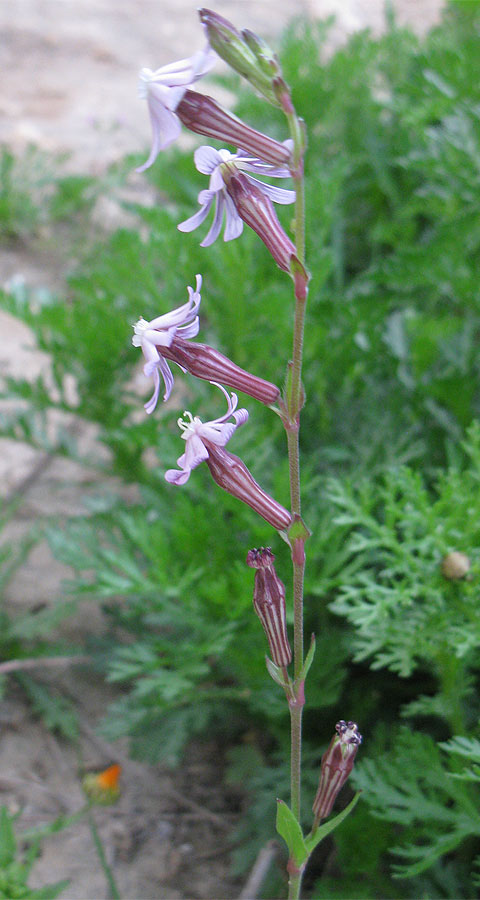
(292, 431)
(240, 199)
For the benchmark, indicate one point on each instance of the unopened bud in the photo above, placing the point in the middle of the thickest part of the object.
(204, 115)
(269, 604)
(337, 763)
(455, 565)
(232, 47)
(267, 59)
(207, 363)
(257, 211)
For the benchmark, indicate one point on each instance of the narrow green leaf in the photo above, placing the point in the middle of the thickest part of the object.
(321, 833)
(50, 891)
(308, 660)
(276, 673)
(289, 829)
(8, 844)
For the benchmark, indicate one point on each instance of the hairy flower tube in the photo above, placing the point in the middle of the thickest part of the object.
(337, 763)
(221, 165)
(207, 363)
(269, 604)
(205, 442)
(254, 207)
(163, 90)
(159, 333)
(204, 115)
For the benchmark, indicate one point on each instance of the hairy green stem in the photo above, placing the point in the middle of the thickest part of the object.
(293, 427)
(295, 759)
(294, 885)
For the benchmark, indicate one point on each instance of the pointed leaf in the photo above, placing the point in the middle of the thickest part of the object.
(298, 530)
(323, 830)
(276, 673)
(289, 829)
(308, 660)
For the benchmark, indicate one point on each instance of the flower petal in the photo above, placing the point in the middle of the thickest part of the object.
(217, 434)
(203, 61)
(191, 330)
(194, 221)
(278, 195)
(217, 222)
(233, 222)
(165, 129)
(206, 159)
(151, 404)
(195, 453)
(177, 476)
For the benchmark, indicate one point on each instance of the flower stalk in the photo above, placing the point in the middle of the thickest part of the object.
(236, 198)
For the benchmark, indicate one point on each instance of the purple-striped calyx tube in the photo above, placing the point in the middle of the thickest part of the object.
(203, 115)
(205, 442)
(337, 763)
(209, 364)
(269, 604)
(254, 207)
(221, 166)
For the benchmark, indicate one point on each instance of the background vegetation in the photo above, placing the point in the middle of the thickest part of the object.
(391, 449)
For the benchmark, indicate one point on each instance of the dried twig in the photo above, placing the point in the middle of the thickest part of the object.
(259, 871)
(16, 665)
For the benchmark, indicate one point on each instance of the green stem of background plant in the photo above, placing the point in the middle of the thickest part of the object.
(296, 709)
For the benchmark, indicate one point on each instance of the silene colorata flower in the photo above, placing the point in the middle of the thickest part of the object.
(160, 332)
(205, 442)
(213, 163)
(200, 436)
(163, 90)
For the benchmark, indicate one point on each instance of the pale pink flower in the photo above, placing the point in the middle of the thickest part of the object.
(160, 332)
(163, 90)
(216, 163)
(205, 442)
(200, 436)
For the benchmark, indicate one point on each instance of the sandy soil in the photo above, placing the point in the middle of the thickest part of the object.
(70, 68)
(69, 76)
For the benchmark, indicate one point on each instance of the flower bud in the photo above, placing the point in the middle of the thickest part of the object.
(337, 763)
(231, 474)
(210, 365)
(256, 209)
(232, 47)
(204, 115)
(455, 565)
(267, 59)
(269, 604)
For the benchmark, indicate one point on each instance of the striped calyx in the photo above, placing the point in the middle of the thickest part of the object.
(269, 604)
(337, 763)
